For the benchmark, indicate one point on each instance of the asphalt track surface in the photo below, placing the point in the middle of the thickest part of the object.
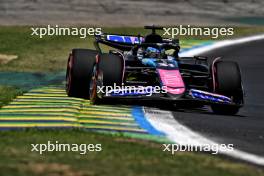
(245, 130)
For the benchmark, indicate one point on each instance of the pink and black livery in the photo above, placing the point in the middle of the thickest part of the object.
(148, 62)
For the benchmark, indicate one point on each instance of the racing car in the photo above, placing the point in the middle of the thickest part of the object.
(149, 67)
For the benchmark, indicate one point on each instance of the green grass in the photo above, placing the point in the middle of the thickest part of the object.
(7, 93)
(120, 156)
(34, 54)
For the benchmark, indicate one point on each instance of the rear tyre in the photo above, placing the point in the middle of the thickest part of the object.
(79, 72)
(228, 83)
(109, 72)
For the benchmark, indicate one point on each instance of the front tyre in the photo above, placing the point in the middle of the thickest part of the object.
(79, 72)
(108, 72)
(228, 82)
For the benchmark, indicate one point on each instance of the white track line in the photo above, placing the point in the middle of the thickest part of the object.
(182, 135)
(220, 44)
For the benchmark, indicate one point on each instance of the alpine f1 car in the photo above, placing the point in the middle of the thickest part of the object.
(148, 67)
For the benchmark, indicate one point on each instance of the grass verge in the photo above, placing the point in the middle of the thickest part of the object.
(120, 156)
(7, 93)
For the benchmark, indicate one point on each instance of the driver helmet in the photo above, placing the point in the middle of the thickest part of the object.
(152, 52)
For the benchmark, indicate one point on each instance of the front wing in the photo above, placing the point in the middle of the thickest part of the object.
(203, 97)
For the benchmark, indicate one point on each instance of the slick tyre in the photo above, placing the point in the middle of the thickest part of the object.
(111, 67)
(228, 83)
(109, 72)
(79, 72)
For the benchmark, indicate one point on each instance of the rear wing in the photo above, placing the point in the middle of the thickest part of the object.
(123, 42)
(123, 39)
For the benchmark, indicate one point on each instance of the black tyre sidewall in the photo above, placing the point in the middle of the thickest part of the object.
(228, 83)
(80, 73)
(228, 78)
(111, 67)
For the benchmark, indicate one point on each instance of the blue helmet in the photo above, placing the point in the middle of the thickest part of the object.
(152, 52)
